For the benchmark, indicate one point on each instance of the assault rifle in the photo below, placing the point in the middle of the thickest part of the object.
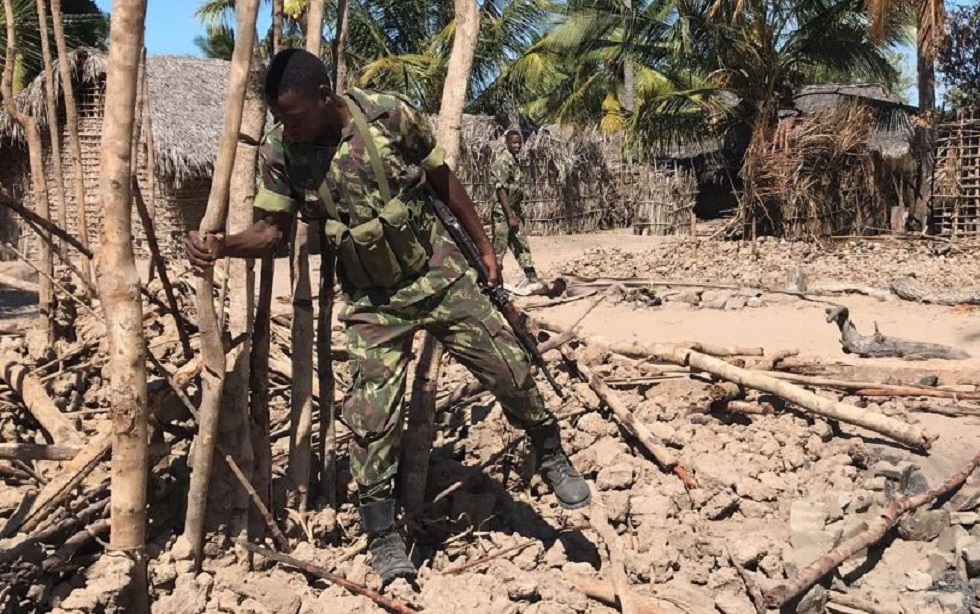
(497, 295)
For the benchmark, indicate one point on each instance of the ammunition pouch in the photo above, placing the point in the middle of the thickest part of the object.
(382, 252)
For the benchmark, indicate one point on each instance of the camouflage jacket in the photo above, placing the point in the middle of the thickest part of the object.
(291, 174)
(507, 174)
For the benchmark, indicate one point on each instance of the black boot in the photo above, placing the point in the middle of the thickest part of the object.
(388, 554)
(570, 488)
(532, 276)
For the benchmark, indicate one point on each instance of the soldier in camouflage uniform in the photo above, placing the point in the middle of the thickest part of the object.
(397, 265)
(508, 214)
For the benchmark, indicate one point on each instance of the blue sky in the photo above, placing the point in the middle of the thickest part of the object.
(171, 28)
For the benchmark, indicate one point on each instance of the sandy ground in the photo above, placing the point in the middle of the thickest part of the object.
(792, 324)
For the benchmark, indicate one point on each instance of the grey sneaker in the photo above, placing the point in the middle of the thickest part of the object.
(556, 469)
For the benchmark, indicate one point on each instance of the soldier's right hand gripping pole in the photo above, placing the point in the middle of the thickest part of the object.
(497, 295)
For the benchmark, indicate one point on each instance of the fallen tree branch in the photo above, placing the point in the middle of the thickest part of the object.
(889, 517)
(625, 417)
(74, 543)
(617, 563)
(894, 429)
(54, 530)
(55, 491)
(400, 607)
(911, 289)
(37, 401)
(600, 591)
(31, 451)
(879, 345)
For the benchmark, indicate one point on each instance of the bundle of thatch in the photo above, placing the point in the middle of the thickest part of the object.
(816, 176)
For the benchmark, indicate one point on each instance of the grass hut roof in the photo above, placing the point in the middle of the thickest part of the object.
(186, 99)
(893, 134)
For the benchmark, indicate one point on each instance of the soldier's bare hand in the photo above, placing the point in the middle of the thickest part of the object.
(197, 252)
(493, 270)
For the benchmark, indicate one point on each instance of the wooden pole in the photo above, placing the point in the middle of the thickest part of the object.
(324, 361)
(119, 286)
(300, 462)
(54, 132)
(35, 151)
(215, 216)
(74, 141)
(258, 375)
(421, 425)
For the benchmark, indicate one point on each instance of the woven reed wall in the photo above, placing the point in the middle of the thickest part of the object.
(955, 209)
(176, 207)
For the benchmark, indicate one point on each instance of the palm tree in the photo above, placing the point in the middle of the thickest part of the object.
(85, 26)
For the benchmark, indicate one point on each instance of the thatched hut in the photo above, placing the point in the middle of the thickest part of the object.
(185, 105)
(576, 182)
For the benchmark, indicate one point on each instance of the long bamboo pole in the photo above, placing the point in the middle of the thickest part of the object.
(212, 349)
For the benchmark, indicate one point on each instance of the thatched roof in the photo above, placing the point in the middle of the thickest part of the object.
(893, 135)
(186, 100)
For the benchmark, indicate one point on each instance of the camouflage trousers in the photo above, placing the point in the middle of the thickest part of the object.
(379, 342)
(504, 237)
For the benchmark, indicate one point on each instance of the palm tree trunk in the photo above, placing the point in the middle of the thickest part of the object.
(276, 26)
(458, 77)
(300, 461)
(229, 501)
(340, 46)
(931, 18)
(629, 76)
(71, 120)
(54, 131)
(35, 153)
(214, 220)
(119, 291)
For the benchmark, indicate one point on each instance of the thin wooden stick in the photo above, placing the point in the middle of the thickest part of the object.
(420, 429)
(74, 543)
(888, 518)
(156, 259)
(65, 482)
(399, 607)
(624, 416)
(617, 563)
(755, 593)
(890, 427)
(215, 215)
(53, 281)
(504, 551)
(324, 364)
(260, 506)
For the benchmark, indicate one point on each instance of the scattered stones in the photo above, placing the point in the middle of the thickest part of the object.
(970, 553)
(616, 477)
(722, 504)
(918, 581)
(924, 525)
